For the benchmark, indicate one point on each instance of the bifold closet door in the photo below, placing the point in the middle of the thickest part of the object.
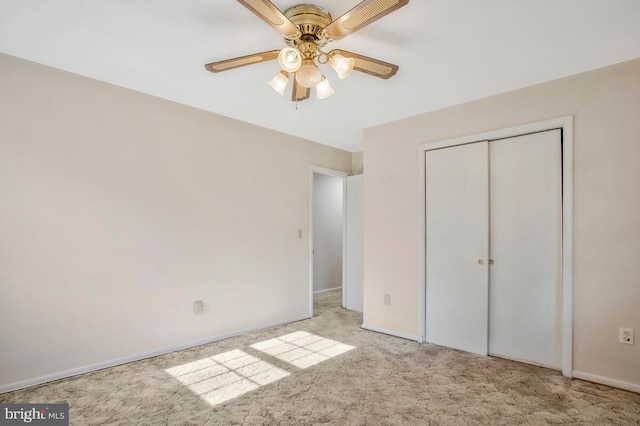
(457, 206)
(525, 239)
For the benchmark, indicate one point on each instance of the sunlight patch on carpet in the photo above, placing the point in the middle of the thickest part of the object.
(302, 349)
(226, 376)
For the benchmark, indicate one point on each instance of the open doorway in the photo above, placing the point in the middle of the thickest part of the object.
(328, 240)
(336, 251)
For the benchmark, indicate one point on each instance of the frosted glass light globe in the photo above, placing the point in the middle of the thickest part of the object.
(324, 90)
(279, 82)
(290, 59)
(343, 66)
(308, 75)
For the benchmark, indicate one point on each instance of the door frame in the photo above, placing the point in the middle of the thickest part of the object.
(328, 172)
(566, 125)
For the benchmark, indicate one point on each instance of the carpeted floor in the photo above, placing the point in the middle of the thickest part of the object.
(327, 370)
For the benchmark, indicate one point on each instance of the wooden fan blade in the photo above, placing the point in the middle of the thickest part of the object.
(371, 66)
(299, 93)
(360, 16)
(270, 14)
(228, 64)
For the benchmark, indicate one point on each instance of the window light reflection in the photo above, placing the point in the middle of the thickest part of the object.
(226, 376)
(302, 349)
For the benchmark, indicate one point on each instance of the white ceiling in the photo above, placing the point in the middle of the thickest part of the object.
(449, 51)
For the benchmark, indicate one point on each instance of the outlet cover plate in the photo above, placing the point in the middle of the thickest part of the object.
(626, 336)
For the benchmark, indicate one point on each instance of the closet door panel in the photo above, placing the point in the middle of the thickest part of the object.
(525, 177)
(457, 247)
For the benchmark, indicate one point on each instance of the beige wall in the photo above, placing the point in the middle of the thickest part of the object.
(357, 163)
(606, 108)
(118, 210)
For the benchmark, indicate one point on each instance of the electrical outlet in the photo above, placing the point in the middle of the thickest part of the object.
(387, 299)
(626, 336)
(198, 307)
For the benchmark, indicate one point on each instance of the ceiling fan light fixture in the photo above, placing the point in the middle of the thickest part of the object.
(306, 29)
(342, 66)
(323, 89)
(290, 59)
(279, 82)
(308, 75)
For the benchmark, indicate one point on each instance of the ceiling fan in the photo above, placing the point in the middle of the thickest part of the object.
(306, 29)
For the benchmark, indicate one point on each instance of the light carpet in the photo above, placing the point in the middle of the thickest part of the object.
(327, 370)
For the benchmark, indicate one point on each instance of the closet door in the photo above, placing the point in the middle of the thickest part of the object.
(457, 247)
(525, 244)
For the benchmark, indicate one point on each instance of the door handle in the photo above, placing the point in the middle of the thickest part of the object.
(480, 262)
(491, 262)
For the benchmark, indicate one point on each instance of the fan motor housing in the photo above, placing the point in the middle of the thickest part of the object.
(311, 20)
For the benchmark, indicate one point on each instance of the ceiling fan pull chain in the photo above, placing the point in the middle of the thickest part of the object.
(296, 112)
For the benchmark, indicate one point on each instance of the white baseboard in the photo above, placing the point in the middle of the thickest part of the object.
(391, 332)
(327, 290)
(132, 358)
(632, 387)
